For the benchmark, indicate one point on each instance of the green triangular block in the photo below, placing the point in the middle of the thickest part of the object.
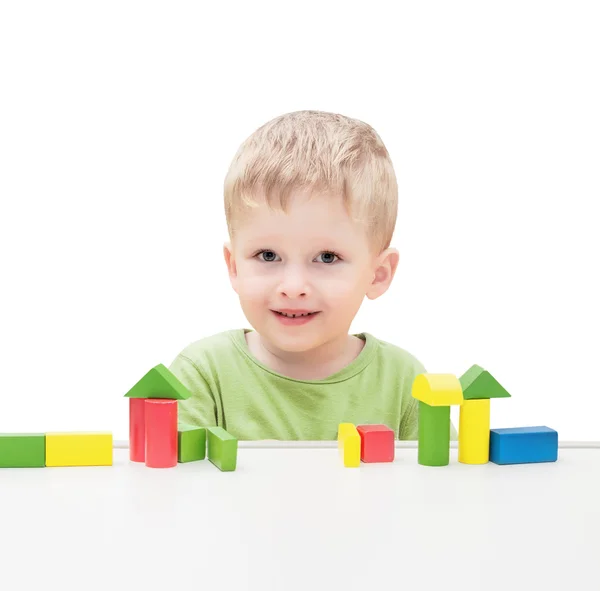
(159, 382)
(477, 383)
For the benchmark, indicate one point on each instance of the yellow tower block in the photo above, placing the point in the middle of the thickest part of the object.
(349, 445)
(474, 432)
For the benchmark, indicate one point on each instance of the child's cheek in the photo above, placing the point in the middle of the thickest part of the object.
(252, 288)
(339, 288)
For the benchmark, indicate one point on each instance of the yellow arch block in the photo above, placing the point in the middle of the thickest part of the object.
(79, 449)
(437, 389)
(474, 432)
(349, 445)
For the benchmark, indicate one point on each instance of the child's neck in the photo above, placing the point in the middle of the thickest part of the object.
(317, 364)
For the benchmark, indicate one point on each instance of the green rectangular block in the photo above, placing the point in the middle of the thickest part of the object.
(222, 449)
(22, 450)
(191, 444)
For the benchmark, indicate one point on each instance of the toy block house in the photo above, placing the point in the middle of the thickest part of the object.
(153, 435)
(435, 393)
(478, 387)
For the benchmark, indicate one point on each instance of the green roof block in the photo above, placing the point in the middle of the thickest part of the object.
(22, 450)
(222, 449)
(477, 383)
(159, 382)
(191, 444)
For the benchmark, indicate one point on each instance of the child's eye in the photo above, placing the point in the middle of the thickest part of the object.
(266, 252)
(329, 256)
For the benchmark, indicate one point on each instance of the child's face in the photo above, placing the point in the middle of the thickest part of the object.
(297, 270)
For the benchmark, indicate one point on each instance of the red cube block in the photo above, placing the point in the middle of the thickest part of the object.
(376, 443)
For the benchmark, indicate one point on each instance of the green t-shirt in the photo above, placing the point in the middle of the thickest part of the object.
(232, 389)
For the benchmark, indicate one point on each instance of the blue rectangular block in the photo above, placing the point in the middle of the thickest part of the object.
(523, 445)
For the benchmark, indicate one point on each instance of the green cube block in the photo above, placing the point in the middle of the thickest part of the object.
(22, 450)
(191, 444)
(222, 449)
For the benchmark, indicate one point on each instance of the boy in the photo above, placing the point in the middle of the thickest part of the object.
(311, 204)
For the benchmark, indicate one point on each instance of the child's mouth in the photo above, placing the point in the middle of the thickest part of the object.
(291, 321)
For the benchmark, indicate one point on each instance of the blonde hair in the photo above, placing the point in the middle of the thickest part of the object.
(324, 153)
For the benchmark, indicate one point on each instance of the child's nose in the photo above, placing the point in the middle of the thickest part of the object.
(294, 282)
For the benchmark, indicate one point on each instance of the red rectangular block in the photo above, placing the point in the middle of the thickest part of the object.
(376, 443)
(137, 430)
(161, 432)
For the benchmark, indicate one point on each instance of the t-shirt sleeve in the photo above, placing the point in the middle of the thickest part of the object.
(200, 409)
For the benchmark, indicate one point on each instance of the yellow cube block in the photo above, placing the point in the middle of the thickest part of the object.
(349, 445)
(79, 449)
(438, 389)
(474, 432)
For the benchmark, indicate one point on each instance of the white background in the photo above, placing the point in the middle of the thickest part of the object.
(118, 121)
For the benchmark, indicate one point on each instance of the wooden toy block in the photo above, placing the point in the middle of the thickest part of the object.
(22, 450)
(523, 445)
(376, 443)
(349, 445)
(477, 383)
(222, 448)
(474, 432)
(161, 383)
(79, 449)
(435, 393)
(191, 444)
(161, 433)
(437, 389)
(434, 435)
(137, 429)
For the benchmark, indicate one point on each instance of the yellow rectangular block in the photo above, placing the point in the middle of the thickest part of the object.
(349, 445)
(79, 449)
(474, 432)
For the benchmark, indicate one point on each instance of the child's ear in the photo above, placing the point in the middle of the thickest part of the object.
(231, 266)
(383, 273)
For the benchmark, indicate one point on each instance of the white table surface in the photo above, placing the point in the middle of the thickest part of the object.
(296, 519)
